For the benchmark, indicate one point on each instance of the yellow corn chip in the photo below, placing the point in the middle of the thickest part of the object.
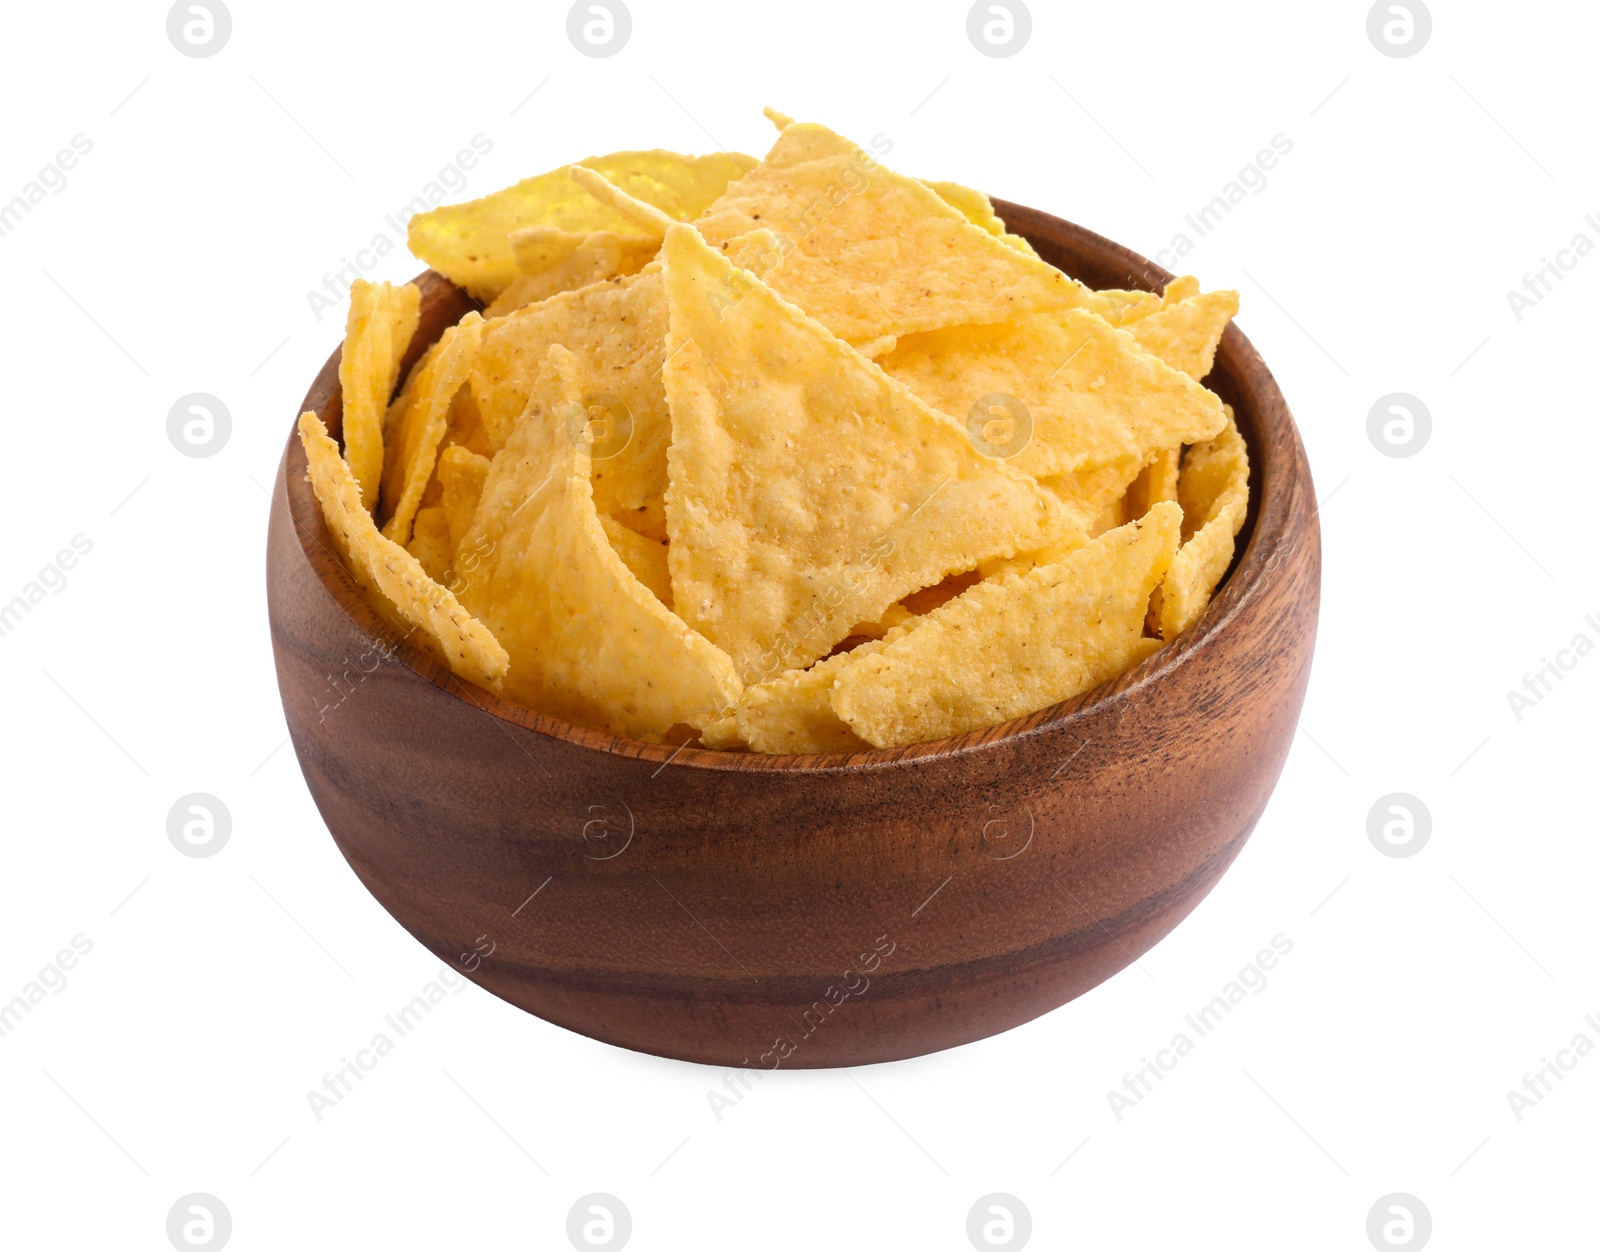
(553, 261)
(417, 422)
(588, 641)
(645, 558)
(1214, 490)
(793, 712)
(615, 331)
(977, 209)
(1185, 333)
(470, 245)
(377, 333)
(430, 544)
(1010, 647)
(810, 491)
(461, 473)
(885, 254)
(1158, 481)
(445, 628)
(1180, 289)
(641, 213)
(1091, 396)
(464, 425)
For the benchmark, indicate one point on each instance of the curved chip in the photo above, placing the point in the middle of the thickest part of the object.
(1214, 490)
(1010, 647)
(413, 598)
(417, 421)
(382, 320)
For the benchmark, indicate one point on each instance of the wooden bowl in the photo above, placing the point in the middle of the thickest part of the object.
(739, 909)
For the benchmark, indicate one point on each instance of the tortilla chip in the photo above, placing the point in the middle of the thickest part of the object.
(470, 243)
(811, 490)
(417, 422)
(793, 712)
(1156, 482)
(615, 331)
(553, 261)
(1010, 647)
(1185, 334)
(1094, 398)
(645, 558)
(430, 544)
(464, 426)
(885, 254)
(641, 213)
(1214, 491)
(377, 333)
(441, 624)
(461, 474)
(588, 641)
(977, 209)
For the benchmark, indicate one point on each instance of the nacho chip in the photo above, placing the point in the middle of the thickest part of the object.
(377, 333)
(615, 331)
(1180, 289)
(977, 209)
(886, 254)
(553, 261)
(469, 243)
(1185, 334)
(1214, 491)
(464, 426)
(810, 491)
(794, 712)
(430, 544)
(1156, 482)
(1092, 397)
(645, 558)
(461, 473)
(1010, 647)
(417, 422)
(588, 641)
(641, 213)
(412, 598)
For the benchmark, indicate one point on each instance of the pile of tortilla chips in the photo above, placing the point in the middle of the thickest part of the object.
(790, 455)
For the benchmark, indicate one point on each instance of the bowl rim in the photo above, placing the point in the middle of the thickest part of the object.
(1270, 510)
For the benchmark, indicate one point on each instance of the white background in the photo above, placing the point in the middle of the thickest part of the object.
(1377, 259)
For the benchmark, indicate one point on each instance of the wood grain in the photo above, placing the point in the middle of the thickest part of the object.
(798, 911)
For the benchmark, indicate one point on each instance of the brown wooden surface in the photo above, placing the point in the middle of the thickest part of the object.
(708, 905)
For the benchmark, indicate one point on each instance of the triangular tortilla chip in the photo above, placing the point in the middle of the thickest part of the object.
(645, 558)
(887, 255)
(1185, 333)
(469, 243)
(588, 641)
(552, 261)
(417, 421)
(792, 712)
(615, 331)
(1093, 398)
(977, 209)
(377, 332)
(430, 543)
(415, 601)
(1010, 647)
(1214, 490)
(808, 489)
(461, 474)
